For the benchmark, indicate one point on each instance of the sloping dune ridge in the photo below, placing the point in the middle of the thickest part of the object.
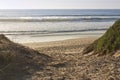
(109, 43)
(18, 62)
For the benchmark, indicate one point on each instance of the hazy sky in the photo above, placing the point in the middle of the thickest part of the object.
(59, 4)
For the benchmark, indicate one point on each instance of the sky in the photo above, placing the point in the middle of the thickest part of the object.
(59, 4)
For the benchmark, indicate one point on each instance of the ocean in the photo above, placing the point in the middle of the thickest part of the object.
(42, 25)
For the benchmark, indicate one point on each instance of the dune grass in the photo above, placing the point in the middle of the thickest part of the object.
(109, 43)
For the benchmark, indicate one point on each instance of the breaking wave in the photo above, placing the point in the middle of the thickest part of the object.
(59, 18)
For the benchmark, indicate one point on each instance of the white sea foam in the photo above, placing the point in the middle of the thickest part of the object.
(59, 18)
(48, 25)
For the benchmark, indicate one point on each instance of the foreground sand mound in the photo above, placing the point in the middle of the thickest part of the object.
(109, 43)
(17, 61)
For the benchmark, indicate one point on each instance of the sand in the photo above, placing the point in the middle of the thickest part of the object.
(70, 64)
(63, 46)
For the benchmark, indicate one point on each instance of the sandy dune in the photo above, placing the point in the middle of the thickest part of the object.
(69, 63)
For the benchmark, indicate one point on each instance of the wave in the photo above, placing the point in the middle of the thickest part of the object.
(59, 18)
(48, 32)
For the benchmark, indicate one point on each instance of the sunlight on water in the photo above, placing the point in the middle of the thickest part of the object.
(25, 26)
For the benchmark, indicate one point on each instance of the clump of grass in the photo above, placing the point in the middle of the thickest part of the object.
(109, 43)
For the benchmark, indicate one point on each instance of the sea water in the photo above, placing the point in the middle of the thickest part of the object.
(24, 26)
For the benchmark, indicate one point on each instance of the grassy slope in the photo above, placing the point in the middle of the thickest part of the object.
(108, 43)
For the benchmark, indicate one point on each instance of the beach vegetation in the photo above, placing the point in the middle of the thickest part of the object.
(109, 43)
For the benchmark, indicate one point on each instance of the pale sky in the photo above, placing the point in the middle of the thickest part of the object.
(59, 4)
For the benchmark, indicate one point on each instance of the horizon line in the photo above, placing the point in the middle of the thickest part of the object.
(57, 9)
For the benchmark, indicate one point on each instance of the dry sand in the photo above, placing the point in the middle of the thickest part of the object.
(64, 46)
(69, 63)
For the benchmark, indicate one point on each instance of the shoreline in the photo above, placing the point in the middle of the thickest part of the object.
(33, 39)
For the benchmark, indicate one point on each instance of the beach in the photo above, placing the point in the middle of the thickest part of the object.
(69, 63)
(59, 60)
(67, 59)
(49, 44)
(64, 46)
(26, 26)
